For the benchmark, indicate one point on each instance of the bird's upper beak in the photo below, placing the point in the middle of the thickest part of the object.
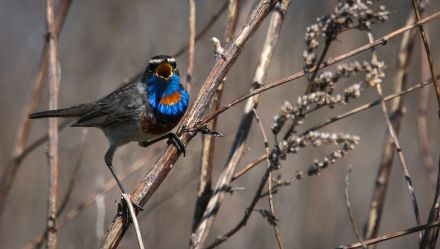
(164, 71)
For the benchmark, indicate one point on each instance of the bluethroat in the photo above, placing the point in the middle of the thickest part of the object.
(144, 110)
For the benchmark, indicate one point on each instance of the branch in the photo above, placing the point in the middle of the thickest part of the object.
(200, 234)
(384, 172)
(191, 43)
(54, 81)
(18, 152)
(392, 235)
(381, 41)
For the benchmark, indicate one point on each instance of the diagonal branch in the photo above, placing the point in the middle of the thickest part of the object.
(157, 174)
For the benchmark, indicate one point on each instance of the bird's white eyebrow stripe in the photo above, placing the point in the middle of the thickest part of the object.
(171, 59)
(155, 61)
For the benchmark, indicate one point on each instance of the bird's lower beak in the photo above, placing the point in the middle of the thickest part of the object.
(164, 71)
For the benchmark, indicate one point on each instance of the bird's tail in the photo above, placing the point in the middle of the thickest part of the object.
(74, 111)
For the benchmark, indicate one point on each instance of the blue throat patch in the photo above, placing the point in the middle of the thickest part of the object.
(168, 99)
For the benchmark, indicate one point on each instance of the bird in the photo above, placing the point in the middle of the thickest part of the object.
(144, 110)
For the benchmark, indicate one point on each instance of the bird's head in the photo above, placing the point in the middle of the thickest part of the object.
(164, 89)
(162, 67)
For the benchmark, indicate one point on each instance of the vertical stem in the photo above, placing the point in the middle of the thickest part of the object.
(191, 43)
(54, 80)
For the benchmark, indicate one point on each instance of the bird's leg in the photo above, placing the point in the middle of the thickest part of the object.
(109, 162)
(172, 139)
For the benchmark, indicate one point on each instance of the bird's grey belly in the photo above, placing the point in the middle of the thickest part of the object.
(126, 132)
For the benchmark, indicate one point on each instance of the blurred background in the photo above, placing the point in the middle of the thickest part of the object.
(103, 43)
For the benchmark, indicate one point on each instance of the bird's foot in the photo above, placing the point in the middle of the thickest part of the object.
(174, 140)
(205, 130)
(124, 210)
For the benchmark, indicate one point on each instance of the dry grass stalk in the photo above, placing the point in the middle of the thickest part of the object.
(204, 191)
(428, 53)
(191, 43)
(200, 233)
(384, 172)
(396, 142)
(134, 219)
(22, 133)
(392, 235)
(350, 211)
(272, 214)
(54, 81)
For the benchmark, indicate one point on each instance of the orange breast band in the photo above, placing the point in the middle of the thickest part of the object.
(170, 99)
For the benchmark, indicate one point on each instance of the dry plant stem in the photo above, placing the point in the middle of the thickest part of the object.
(54, 81)
(247, 213)
(39, 241)
(248, 167)
(134, 219)
(72, 180)
(340, 117)
(422, 123)
(396, 142)
(157, 174)
(349, 210)
(204, 30)
(430, 236)
(200, 234)
(392, 235)
(13, 164)
(428, 55)
(191, 43)
(384, 172)
(269, 180)
(233, 9)
(208, 142)
(401, 157)
(91, 199)
(381, 41)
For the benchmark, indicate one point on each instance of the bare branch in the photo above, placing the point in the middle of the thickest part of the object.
(54, 81)
(22, 133)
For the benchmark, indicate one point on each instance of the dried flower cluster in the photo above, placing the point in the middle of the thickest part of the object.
(348, 14)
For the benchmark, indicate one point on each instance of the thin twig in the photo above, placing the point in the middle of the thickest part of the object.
(134, 219)
(204, 30)
(392, 235)
(54, 81)
(158, 173)
(201, 232)
(384, 171)
(343, 116)
(191, 43)
(204, 192)
(381, 41)
(430, 236)
(22, 133)
(269, 181)
(249, 167)
(399, 151)
(74, 175)
(349, 210)
(428, 54)
(422, 124)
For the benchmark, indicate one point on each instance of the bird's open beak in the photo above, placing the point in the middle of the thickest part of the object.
(164, 71)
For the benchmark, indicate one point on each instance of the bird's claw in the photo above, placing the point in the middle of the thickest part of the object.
(206, 131)
(174, 140)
